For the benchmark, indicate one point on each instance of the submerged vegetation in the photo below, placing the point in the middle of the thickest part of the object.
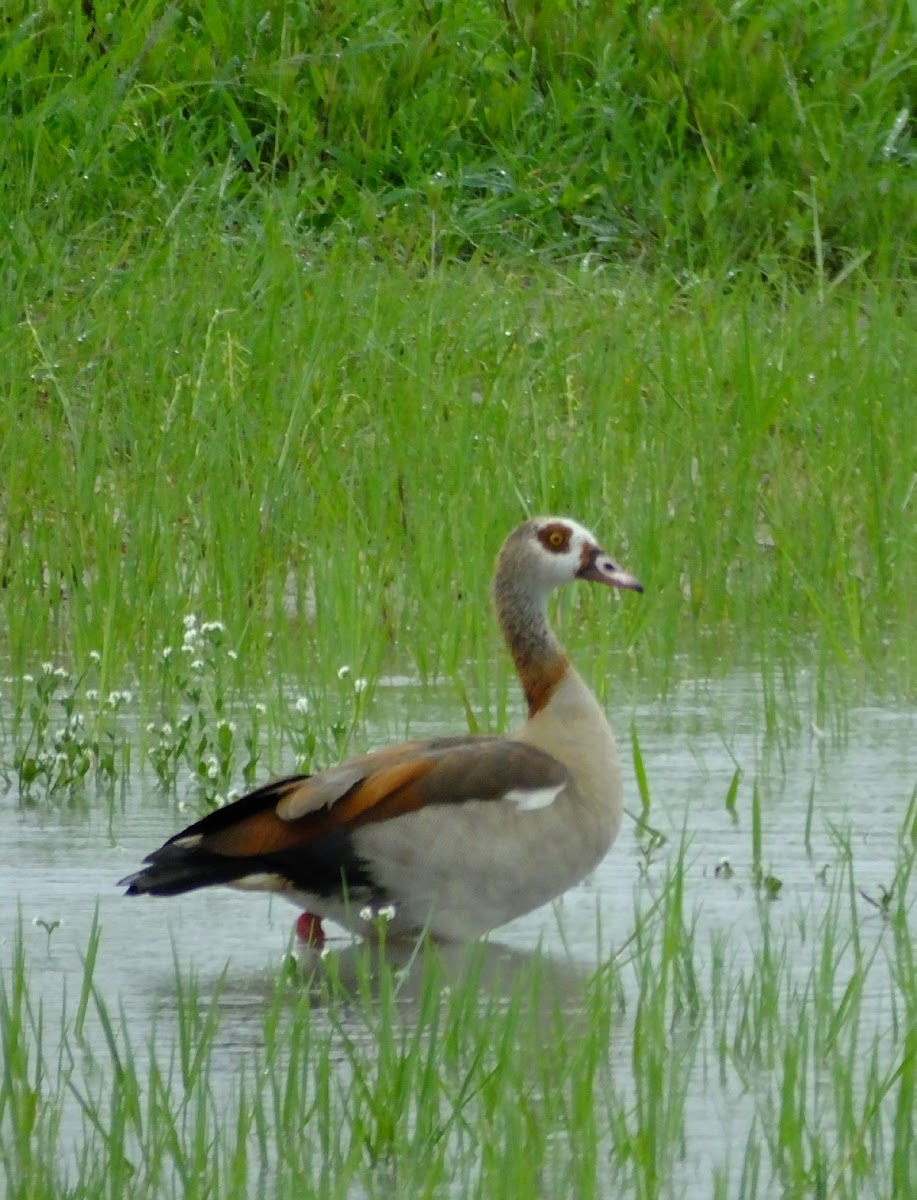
(303, 308)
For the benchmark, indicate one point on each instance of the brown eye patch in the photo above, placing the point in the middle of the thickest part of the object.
(555, 538)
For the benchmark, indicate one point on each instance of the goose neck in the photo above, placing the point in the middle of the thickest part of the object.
(539, 658)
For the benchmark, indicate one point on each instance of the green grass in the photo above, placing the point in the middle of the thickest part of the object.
(234, 435)
(780, 133)
(249, 348)
(227, 430)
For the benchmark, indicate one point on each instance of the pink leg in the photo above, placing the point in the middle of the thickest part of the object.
(309, 930)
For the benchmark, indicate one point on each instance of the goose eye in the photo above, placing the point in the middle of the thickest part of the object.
(556, 539)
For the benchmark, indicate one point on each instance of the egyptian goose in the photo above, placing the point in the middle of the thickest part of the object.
(454, 835)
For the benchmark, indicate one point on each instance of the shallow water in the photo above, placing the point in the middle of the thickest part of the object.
(62, 866)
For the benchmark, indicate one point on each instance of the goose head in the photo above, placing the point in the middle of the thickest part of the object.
(546, 552)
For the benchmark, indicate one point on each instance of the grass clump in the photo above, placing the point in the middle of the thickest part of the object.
(701, 137)
(190, 452)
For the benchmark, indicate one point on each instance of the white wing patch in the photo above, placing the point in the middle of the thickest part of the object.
(261, 881)
(530, 799)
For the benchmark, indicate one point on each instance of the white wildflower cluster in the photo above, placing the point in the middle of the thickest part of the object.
(199, 640)
(359, 684)
(203, 741)
(56, 752)
(66, 759)
(196, 634)
(171, 740)
(384, 913)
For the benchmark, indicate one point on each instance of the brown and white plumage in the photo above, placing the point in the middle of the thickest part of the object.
(457, 834)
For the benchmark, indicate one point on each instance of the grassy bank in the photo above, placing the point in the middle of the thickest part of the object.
(688, 138)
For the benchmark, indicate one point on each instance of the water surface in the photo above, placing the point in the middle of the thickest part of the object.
(61, 866)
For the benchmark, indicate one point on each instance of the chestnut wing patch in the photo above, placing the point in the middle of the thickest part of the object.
(378, 787)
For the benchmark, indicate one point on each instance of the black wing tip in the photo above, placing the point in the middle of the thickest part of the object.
(171, 874)
(138, 884)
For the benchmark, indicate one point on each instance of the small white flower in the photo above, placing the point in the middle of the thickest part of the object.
(260, 707)
(302, 705)
(151, 727)
(213, 627)
(231, 654)
(92, 695)
(167, 652)
(190, 621)
(95, 657)
(47, 668)
(197, 665)
(343, 672)
(166, 731)
(360, 685)
(386, 912)
(366, 913)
